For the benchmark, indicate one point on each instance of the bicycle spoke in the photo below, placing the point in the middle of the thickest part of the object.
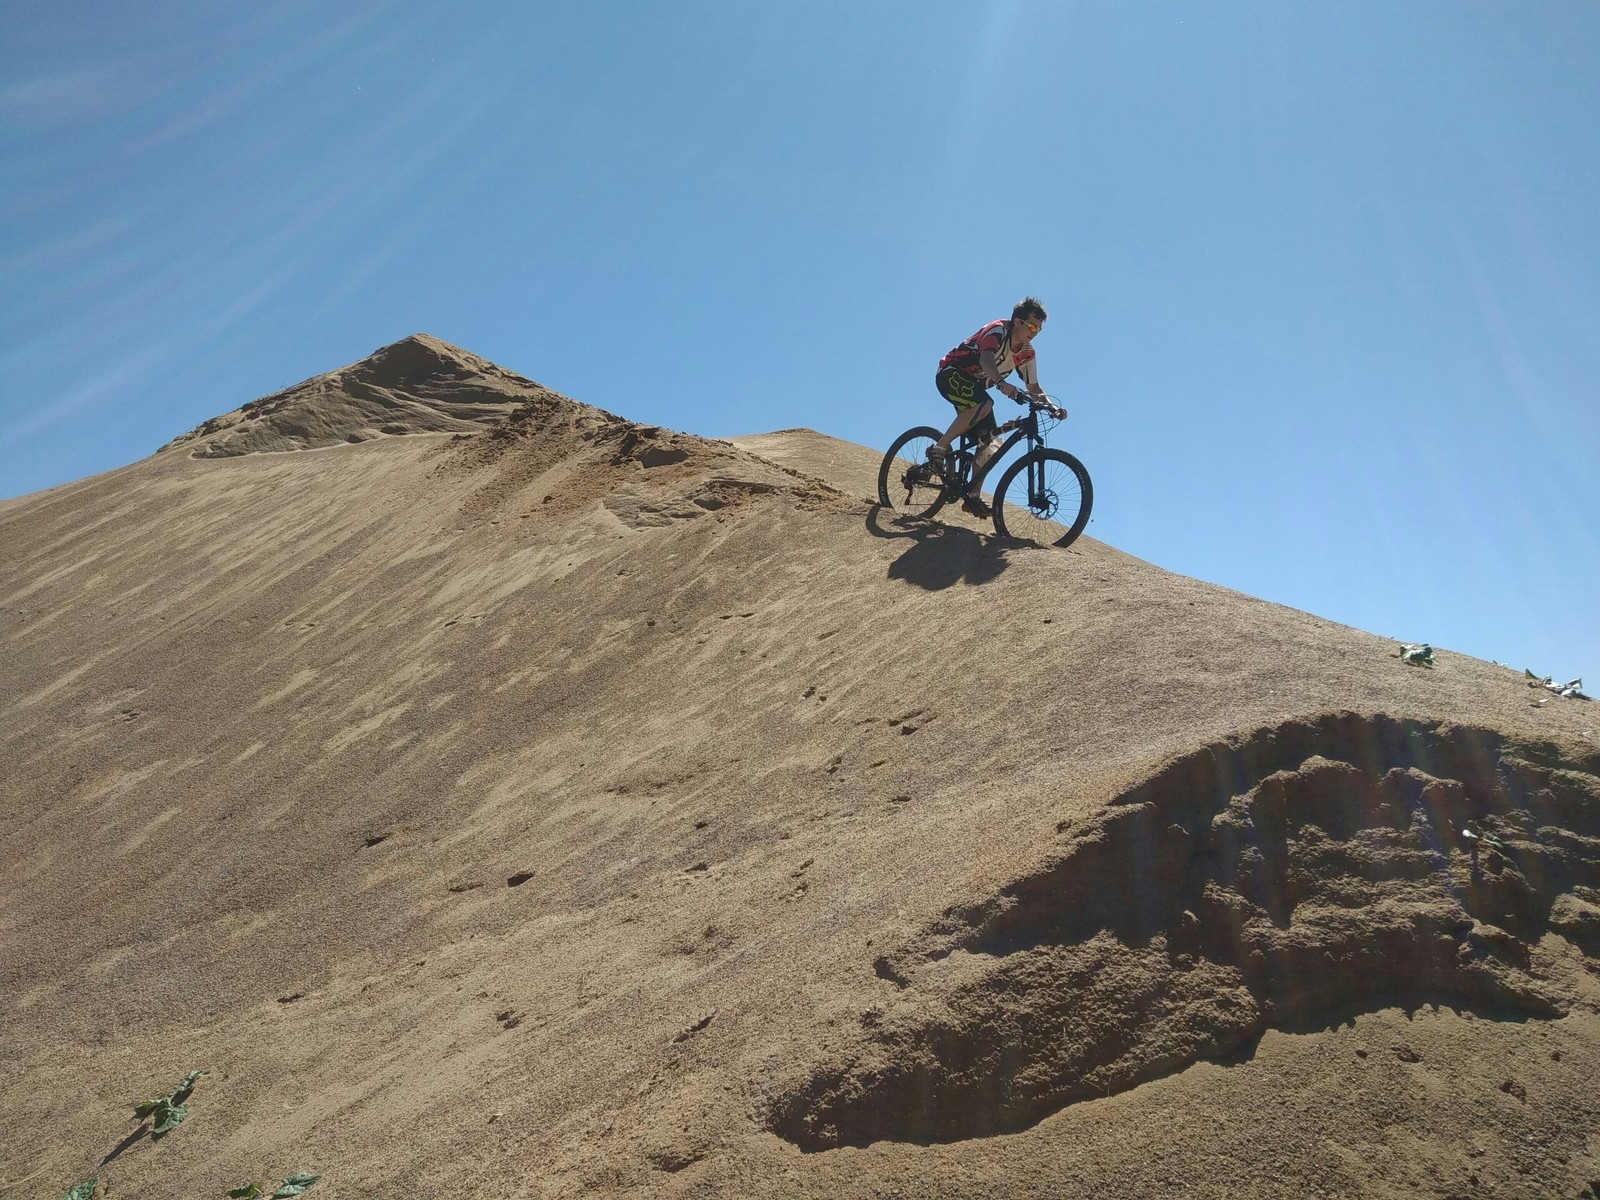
(906, 481)
(1045, 500)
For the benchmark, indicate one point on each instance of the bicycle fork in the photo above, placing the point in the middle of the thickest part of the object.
(1039, 499)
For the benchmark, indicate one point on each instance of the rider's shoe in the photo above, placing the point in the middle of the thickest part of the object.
(938, 458)
(974, 504)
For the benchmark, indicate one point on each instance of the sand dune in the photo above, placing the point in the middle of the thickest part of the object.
(500, 798)
(417, 385)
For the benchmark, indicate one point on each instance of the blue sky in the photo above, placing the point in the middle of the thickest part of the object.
(1324, 279)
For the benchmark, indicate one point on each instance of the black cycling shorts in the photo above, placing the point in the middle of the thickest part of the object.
(965, 392)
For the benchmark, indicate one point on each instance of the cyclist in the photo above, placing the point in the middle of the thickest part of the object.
(981, 362)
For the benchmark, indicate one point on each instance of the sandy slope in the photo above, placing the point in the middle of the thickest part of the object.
(577, 808)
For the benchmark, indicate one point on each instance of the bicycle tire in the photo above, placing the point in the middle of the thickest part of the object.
(1057, 515)
(898, 488)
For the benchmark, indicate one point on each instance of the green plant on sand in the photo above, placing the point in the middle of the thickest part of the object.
(291, 1185)
(167, 1111)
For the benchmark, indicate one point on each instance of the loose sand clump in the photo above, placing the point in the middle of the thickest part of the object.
(567, 457)
(1289, 879)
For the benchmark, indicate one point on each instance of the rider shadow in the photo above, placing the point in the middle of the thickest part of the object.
(939, 556)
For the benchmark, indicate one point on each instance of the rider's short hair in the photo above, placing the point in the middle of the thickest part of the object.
(1028, 308)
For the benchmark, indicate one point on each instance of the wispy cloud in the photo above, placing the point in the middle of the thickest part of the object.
(78, 96)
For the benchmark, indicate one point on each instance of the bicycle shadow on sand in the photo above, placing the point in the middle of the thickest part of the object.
(939, 556)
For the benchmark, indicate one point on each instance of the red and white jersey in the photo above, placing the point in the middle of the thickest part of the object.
(993, 339)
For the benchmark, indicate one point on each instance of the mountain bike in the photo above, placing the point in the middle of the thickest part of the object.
(1043, 497)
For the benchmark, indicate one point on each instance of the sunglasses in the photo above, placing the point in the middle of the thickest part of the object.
(1034, 326)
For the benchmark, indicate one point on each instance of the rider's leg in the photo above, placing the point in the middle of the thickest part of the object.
(964, 418)
(971, 402)
(972, 420)
(986, 433)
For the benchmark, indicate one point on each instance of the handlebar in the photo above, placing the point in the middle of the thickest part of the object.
(1046, 405)
(1042, 405)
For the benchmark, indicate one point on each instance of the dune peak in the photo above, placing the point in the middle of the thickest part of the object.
(419, 384)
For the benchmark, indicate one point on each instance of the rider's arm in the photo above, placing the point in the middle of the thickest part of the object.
(1030, 375)
(991, 368)
(991, 373)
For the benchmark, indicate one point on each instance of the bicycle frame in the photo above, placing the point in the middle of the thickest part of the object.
(1023, 429)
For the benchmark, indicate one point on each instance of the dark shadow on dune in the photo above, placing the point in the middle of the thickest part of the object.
(937, 556)
(127, 1143)
(1293, 878)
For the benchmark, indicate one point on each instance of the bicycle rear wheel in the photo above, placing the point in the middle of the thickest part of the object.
(906, 483)
(1043, 497)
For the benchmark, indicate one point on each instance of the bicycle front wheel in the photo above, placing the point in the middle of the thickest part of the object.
(1043, 497)
(906, 483)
